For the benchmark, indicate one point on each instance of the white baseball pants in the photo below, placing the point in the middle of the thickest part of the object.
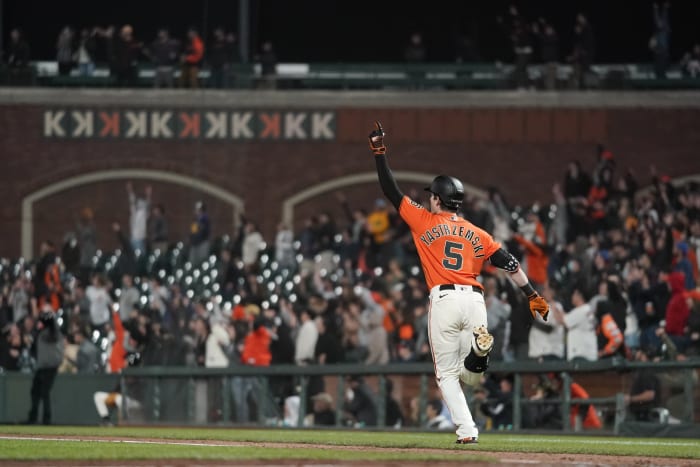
(453, 316)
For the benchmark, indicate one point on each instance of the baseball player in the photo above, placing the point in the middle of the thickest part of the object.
(452, 251)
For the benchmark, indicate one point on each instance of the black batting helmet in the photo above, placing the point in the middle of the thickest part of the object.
(449, 189)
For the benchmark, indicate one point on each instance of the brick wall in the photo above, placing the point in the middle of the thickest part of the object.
(523, 151)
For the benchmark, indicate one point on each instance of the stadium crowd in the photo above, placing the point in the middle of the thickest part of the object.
(522, 41)
(619, 267)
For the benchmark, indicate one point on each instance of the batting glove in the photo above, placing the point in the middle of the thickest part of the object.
(538, 305)
(376, 140)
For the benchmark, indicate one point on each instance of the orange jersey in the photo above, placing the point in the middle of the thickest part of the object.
(452, 250)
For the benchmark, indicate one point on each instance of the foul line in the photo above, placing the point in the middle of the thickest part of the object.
(126, 441)
(606, 441)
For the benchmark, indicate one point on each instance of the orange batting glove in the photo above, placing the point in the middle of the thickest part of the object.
(538, 305)
(376, 140)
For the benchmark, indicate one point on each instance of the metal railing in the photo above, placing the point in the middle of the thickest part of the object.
(161, 378)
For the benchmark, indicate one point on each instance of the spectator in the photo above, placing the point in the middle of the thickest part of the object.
(610, 337)
(322, 413)
(219, 60)
(583, 52)
(548, 42)
(359, 408)
(158, 229)
(49, 354)
(88, 357)
(435, 419)
(546, 415)
(85, 53)
(581, 341)
(128, 298)
(379, 224)
(163, 53)
(268, 67)
(10, 347)
(393, 416)
(682, 263)
(693, 349)
(234, 57)
(546, 340)
(660, 43)
(535, 255)
(284, 246)
(415, 50)
(124, 56)
(48, 287)
(138, 217)
(19, 299)
(497, 314)
(100, 302)
(645, 392)
(373, 332)
(612, 302)
(192, 60)
(256, 348)
(586, 412)
(87, 241)
(200, 230)
(253, 244)
(18, 52)
(677, 311)
(690, 63)
(522, 46)
(306, 339)
(499, 405)
(328, 349)
(64, 51)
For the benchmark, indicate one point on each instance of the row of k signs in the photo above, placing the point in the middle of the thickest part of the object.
(214, 125)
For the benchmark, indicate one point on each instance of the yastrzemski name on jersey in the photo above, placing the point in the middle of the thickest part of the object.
(446, 230)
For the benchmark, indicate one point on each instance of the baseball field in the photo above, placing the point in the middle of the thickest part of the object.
(40, 445)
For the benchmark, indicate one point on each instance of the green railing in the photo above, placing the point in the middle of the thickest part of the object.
(168, 393)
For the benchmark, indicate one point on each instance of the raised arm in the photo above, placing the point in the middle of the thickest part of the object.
(504, 260)
(386, 179)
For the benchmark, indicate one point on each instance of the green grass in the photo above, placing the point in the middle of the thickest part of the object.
(12, 449)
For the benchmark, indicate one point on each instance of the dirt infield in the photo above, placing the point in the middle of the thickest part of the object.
(461, 454)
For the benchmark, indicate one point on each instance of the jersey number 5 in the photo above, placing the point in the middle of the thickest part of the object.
(453, 258)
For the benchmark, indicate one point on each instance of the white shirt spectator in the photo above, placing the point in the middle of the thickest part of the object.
(581, 338)
(284, 248)
(252, 244)
(19, 301)
(214, 355)
(127, 300)
(139, 217)
(99, 304)
(546, 338)
(305, 344)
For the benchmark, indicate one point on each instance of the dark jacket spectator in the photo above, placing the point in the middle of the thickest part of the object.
(645, 393)
(359, 407)
(49, 355)
(18, 52)
(164, 50)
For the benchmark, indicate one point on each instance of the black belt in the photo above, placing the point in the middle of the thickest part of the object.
(452, 287)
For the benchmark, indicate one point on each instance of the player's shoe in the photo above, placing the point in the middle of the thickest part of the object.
(467, 440)
(483, 340)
